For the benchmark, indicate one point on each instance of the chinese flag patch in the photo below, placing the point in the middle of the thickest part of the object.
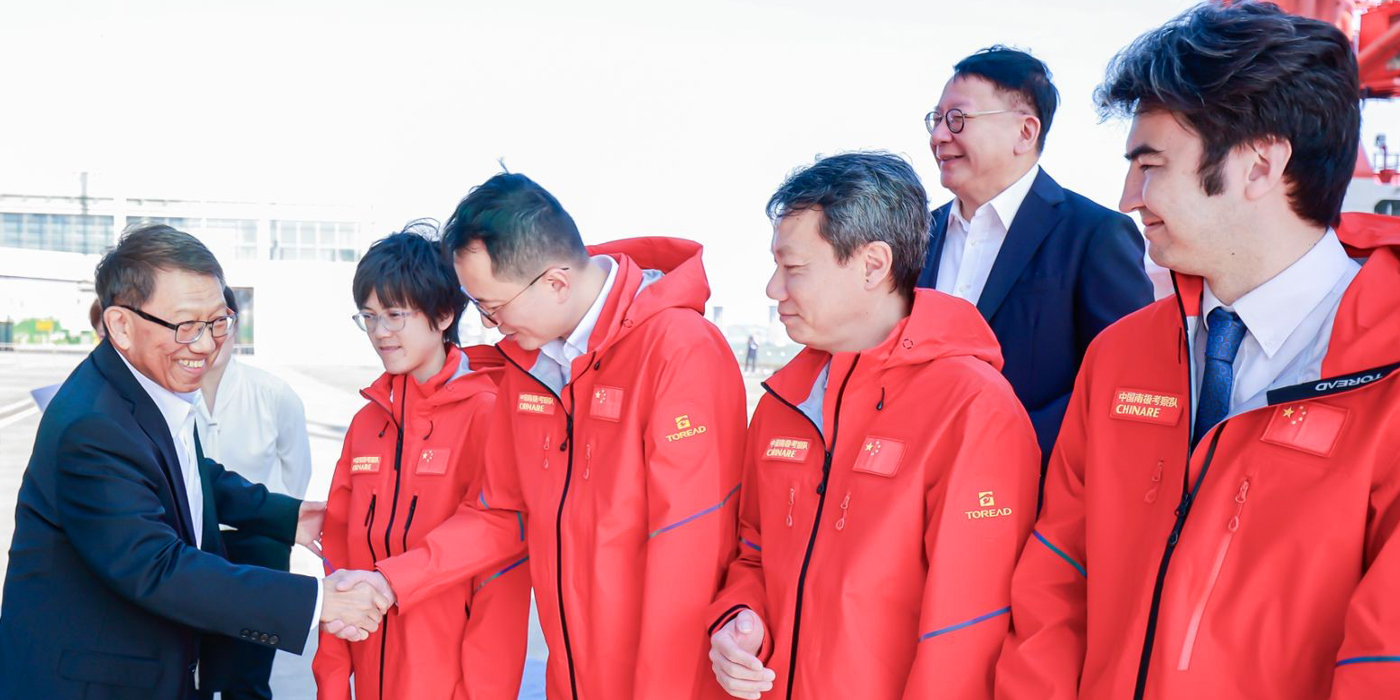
(606, 403)
(879, 456)
(433, 461)
(1310, 427)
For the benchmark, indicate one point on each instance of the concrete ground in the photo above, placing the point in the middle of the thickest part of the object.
(331, 396)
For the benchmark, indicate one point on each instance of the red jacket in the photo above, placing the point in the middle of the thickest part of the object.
(628, 480)
(878, 550)
(1262, 565)
(405, 468)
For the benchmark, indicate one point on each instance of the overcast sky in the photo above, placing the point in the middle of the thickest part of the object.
(645, 118)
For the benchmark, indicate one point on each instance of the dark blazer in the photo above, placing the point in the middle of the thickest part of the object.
(1068, 269)
(106, 594)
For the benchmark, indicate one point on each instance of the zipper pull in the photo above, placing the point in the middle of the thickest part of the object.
(845, 504)
(546, 441)
(1240, 497)
(826, 472)
(1151, 495)
(792, 499)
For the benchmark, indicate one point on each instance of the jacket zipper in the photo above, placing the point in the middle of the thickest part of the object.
(408, 522)
(369, 527)
(567, 446)
(816, 521)
(1194, 627)
(389, 529)
(1183, 509)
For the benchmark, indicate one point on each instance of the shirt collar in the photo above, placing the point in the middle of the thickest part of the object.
(563, 351)
(1004, 205)
(1274, 310)
(174, 407)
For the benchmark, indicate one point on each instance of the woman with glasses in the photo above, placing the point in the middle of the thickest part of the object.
(410, 456)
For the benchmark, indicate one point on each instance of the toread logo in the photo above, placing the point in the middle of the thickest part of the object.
(1347, 382)
(987, 507)
(684, 429)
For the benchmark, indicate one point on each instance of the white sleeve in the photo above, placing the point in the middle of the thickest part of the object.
(293, 444)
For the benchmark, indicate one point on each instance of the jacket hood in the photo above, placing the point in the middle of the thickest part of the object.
(939, 326)
(466, 372)
(654, 274)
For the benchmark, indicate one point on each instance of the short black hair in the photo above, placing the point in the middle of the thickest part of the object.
(1020, 74)
(1246, 73)
(126, 274)
(406, 269)
(522, 225)
(230, 300)
(865, 196)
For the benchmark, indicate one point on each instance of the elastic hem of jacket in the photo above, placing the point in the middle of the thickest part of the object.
(1061, 554)
(969, 623)
(1369, 660)
(701, 514)
(725, 617)
(502, 572)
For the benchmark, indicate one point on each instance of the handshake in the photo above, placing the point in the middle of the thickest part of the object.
(353, 603)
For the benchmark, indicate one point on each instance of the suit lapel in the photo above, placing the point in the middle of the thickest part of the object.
(938, 229)
(212, 542)
(1037, 217)
(144, 410)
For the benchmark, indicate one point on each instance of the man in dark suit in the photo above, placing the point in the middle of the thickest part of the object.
(107, 590)
(1047, 268)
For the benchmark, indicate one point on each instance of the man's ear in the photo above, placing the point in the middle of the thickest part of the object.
(1028, 140)
(120, 328)
(1266, 162)
(877, 260)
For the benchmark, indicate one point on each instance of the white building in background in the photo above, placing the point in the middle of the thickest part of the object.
(290, 264)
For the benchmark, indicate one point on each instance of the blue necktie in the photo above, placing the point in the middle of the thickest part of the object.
(1225, 333)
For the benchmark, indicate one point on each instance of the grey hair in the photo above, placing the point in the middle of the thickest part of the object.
(127, 273)
(864, 196)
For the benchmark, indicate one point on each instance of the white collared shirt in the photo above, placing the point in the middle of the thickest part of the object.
(178, 412)
(1288, 323)
(970, 248)
(257, 428)
(555, 365)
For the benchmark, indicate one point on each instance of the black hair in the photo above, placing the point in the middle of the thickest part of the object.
(522, 226)
(127, 273)
(406, 269)
(1246, 73)
(1017, 73)
(864, 196)
(230, 300)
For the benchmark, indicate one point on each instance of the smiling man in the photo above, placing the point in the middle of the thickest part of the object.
(1221, 509)
(1046, 267)
(614, 446)
(114, 569)
(890, 473)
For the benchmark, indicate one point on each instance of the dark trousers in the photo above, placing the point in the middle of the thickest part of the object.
(237, 669)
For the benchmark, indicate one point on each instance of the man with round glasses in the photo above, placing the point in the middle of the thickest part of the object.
(1047, 268)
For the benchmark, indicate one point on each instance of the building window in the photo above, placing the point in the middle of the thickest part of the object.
(69, 233)
(325, 241)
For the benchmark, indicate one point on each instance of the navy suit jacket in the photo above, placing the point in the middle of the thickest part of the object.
(106, 594)
(1068, 269)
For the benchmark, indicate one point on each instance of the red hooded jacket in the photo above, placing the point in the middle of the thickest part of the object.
(1263, 564)
(878, 548)
(410, 457)
(627, 479)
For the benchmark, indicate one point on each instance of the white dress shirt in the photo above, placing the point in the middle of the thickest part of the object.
(1288, 323)
(970, 248)
(178, 412)
(555, 364)
(257, 429)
